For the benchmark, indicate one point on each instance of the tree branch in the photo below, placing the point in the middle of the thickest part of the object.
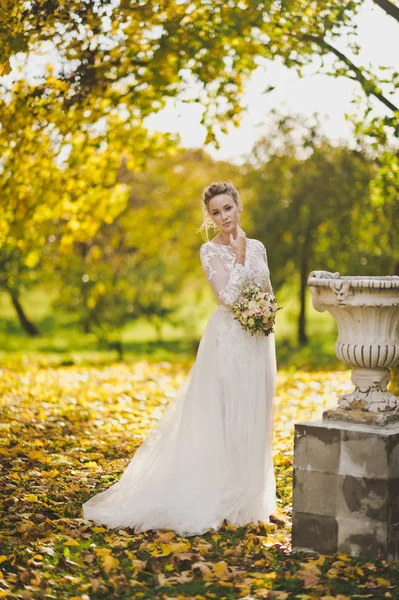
(368, 86)
(389, 8)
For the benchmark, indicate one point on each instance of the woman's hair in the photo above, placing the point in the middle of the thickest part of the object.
(215, 189)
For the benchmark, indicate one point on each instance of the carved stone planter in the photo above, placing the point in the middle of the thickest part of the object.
(346, 465)
(366, 310)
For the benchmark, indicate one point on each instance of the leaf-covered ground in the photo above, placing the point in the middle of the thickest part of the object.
(69, 431)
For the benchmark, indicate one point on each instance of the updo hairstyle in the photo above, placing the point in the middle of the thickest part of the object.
(215, 189)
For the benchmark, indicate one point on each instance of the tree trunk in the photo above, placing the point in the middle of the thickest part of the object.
(304, 272)
(87, 328)
(120, 350)
(302, 337)
(29, 327)
(158, 328)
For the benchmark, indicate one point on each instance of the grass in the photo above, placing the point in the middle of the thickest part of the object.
(63, 341)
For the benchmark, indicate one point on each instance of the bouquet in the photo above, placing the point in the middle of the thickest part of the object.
(255, 308)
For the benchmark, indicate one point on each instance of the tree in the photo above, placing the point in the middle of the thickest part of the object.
(378, 226)
(135, 54)
(28, 173)
(307, 198)
(141, 263)
(59, 183)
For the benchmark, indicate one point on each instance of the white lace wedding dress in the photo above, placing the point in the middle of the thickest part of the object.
(209, 457)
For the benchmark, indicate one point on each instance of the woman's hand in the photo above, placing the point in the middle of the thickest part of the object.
(239, 244)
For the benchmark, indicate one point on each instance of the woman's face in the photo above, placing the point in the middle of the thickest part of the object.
(224, 212)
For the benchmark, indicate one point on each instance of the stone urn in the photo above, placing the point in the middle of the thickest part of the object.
(366, 310)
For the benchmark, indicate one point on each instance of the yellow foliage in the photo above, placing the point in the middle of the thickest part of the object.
(383, 582)
(91, 302)
(110, 409)
(36, 454)
(109, 562)
(92, 465)
(30, 498)
(71, 543)
(167, 549)
(5, 69)
(51, 474)
(31, 259)
(221, 570)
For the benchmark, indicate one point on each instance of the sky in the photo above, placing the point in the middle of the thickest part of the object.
(331, 98)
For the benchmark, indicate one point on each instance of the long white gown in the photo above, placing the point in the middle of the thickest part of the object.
(209, 457)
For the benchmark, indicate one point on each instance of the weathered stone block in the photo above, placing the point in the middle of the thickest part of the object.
(393, 454)
(314, 532)
(363, 454)
(393, 541)
(364, 497)
(393, 504)
(362, 537)
(345, 495)
(317, 447)
(347, 474)
(315, 492)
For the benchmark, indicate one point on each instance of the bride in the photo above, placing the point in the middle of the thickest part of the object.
(209, 457)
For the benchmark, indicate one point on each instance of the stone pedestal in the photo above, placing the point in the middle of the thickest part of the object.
(346, 488)
(346, 467)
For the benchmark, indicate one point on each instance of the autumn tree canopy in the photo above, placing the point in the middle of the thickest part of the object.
(136, 53)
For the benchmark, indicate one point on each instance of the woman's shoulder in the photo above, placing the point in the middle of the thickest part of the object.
(257, 243)
(207, 249)
(204, 247)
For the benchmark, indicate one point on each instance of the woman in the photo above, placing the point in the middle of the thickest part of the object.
(209, 458)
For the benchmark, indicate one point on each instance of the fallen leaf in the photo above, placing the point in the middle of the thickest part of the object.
(309, 573)
(109, 562)
(30, 498)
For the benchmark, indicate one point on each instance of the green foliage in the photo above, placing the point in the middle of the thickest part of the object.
(380, 235)
(314, 206)
(308, 196)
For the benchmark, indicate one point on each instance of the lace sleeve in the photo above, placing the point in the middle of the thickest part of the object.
(268, 286)
(226, 285)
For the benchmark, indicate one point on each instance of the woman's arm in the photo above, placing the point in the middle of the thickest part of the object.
(226, 285)
(268, 285)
